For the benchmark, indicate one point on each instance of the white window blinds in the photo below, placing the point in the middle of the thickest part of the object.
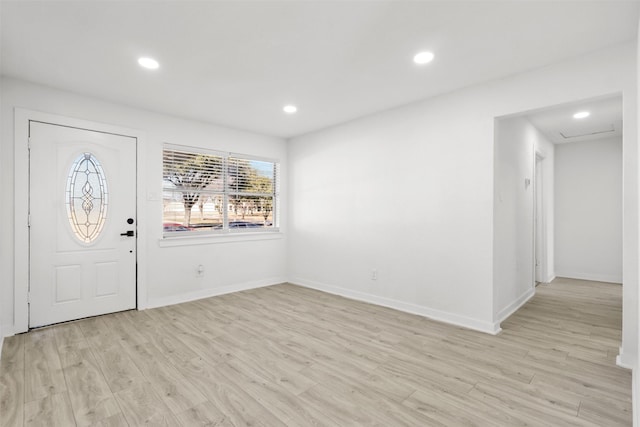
(217, 192)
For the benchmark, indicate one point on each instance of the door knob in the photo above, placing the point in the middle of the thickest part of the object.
(129, 233)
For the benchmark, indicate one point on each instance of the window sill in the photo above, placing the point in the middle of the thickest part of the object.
(212, 239)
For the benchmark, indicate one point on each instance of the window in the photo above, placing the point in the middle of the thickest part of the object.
(86, 198)
(208, 191)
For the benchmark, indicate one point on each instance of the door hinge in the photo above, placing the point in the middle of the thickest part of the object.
(29, 220)
(29, 143)
(29, 297)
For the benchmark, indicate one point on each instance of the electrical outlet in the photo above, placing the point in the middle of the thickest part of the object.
(374, 274)
(200, 271)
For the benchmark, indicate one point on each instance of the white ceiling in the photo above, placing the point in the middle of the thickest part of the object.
(237, 63)
(559, 125)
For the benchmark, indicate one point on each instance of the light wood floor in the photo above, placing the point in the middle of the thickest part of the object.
(286, 355)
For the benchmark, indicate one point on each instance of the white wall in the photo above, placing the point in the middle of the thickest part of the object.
(516, 142)
(636, 365)
(588, 210)
(407, 193)
(3, 254)
(410, 193)
(168, 272)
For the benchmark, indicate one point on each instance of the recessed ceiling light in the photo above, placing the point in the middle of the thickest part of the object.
(149, 63)
(423, 58)
(581, 115)
(290, 109)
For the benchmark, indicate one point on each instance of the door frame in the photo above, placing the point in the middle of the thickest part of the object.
(21, 205)
(539, 218)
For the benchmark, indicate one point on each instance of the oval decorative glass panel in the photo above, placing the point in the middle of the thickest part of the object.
(86, 198)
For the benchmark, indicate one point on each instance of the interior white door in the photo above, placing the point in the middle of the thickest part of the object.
(82, 206)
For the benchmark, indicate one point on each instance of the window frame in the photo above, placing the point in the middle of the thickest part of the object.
(227, 193)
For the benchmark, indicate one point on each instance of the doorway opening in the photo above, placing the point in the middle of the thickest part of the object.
(539, 222)
(566, 220)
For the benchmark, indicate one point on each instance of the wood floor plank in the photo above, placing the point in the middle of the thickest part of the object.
(584, 390)
(225, 393)
(12, 398)
(68, 334)
(451, 409)
(522, 409)
(204, 414)
(601, 412)
(390, 387)
(43, 368)
(198, 336)
(54, 410)
(117, 420)
(12, 358)
(142, 406)
(337, 409)
(176, 391)
(164, 336)
(557, 406)
(273, 371)
(98, 334)
(118, 369)
(127, 333)
(377, 404)
(273, 396)
(91, 398)
(414, 373)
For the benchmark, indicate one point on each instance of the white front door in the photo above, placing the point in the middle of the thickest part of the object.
(82, 205)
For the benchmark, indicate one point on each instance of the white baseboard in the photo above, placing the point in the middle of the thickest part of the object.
(588, 276)
(5, 332)
(514, 306)
(635, 395)
(549, 279)
(433, 314)
(625, 360)
(211, 292)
